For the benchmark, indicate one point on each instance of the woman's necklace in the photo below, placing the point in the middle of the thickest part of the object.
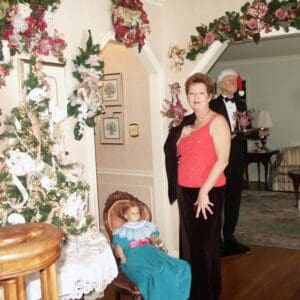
(200, 119)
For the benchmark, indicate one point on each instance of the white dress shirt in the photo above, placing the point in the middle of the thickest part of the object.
(231, 110)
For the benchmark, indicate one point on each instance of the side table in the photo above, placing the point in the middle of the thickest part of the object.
(295, 176)
(260, 158)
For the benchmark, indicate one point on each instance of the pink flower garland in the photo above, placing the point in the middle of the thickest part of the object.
(254, 17)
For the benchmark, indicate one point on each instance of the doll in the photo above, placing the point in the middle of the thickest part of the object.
(157, 275)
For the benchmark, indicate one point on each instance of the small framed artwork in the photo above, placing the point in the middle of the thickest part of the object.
(112, 90)
(112, 127)
(55, 76)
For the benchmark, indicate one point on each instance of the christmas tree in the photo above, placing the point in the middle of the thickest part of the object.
(36, 182)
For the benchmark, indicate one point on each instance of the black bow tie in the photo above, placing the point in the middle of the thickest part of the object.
(229, 99)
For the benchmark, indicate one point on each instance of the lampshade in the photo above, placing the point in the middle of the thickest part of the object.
(262, 119)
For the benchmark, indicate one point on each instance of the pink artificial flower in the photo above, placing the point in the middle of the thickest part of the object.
(244, 120)
(262, 9)
(58, 44)
(44, 46)
(3, 71)
(257, 9)
(179, 112)
(281, 14)
(7, 32)
(209, 37)
(227, 28)
(252, 24)
(140, 36)
(131, 4)
(41, 24)
(13, 41)
(174, 111)
(120, 28)
(31, 27)
(144, 18)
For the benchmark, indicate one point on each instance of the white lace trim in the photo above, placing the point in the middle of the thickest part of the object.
(134, 231)
(84, 287)
(87, 264)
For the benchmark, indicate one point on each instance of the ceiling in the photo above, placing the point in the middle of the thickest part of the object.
(283, 46)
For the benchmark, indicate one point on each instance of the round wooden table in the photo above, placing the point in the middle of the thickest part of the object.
(295, 176)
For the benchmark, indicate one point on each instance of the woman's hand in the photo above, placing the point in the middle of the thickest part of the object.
(203, 204)
(123, 260)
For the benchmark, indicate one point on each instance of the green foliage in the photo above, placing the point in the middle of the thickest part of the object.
(27, 213)
(234, 27)
(82, 58)
(44, 209)
(77, 132)
(72, 110)
(31, 81)
(4, 5)
(88, 106)
(90, 122)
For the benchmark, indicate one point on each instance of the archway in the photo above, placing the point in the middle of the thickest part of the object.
(156, 93)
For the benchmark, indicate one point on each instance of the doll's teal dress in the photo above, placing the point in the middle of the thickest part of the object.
(158, 275)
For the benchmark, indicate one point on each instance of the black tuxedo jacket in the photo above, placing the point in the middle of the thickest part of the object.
(218, 106)
(171, 158)
(238, 143)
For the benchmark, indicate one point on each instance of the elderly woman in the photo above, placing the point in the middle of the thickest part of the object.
(197, 153)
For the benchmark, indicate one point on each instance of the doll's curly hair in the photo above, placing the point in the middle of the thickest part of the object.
(125, 207)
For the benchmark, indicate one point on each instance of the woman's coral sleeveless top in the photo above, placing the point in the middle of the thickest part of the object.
(197, 156)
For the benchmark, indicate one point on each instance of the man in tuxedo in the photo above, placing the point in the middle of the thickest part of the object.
(228, 104)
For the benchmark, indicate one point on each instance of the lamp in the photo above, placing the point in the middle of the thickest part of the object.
(263, 121)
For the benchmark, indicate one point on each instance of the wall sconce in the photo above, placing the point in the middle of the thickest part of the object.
(133, 129)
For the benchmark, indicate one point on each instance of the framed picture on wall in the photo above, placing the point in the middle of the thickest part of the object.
(112, 90)
(112, 127)
(55, 76)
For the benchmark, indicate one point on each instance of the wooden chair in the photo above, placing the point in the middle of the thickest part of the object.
(28, 248)
(112, 221)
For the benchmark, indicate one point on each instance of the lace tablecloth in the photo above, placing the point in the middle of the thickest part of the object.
(87, 264)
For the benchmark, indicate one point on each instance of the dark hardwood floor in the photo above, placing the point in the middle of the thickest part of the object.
(264, 274)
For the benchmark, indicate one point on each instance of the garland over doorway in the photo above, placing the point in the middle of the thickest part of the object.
(247, 24)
